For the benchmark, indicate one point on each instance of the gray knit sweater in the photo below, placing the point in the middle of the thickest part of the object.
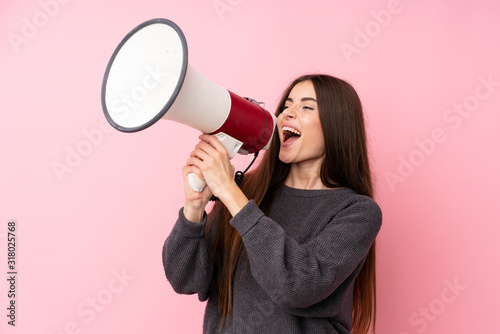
(297, 270)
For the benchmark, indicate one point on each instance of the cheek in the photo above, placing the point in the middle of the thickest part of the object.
(319, 139)
(316, 144)
(314, 126)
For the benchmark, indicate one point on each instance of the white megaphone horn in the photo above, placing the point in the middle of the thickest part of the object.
(148, 78)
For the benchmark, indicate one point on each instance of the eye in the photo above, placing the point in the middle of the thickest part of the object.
(308, 108)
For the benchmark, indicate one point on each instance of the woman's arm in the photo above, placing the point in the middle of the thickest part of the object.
(186, 258)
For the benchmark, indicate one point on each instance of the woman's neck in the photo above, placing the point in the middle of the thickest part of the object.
(305, 176)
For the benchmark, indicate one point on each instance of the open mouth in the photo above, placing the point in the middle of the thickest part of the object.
(289, 133)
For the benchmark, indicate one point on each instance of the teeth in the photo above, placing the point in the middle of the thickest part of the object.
(292, 130)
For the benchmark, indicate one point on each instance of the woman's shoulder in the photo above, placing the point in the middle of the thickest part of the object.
(342, 194)
(340, 210)
(362, 214)
(367, 202)
(334, 200)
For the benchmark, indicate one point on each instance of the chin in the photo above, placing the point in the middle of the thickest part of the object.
(285, 159)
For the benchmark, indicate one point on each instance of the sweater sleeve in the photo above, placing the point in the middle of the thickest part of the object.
(186, 258)
(296, 276)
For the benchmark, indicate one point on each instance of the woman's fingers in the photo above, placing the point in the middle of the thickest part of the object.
(214, 142)
(212, 160)
(188, 169)
(206, 156)
(205, 149)
(194, 202)
(191, 195)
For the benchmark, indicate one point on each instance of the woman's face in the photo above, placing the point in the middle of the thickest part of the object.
(299, 127)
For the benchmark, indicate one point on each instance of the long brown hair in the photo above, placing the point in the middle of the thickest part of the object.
(345, 165)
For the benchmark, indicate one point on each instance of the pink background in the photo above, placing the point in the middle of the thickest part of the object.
(90, 232)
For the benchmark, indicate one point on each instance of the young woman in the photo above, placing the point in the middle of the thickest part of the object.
(293, 251)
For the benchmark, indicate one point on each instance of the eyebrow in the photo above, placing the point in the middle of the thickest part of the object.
(304, 99)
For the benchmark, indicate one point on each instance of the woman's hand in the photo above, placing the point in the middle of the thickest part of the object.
(194, 202)
(210, 161)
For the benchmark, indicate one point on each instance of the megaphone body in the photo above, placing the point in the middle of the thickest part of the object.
(148, 78)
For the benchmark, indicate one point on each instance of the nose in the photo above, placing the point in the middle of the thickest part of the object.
(289, 112)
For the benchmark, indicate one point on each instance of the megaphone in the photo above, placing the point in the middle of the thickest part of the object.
(148, 78)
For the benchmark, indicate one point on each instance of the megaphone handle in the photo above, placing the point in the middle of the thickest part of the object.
(196, 183)
(231, 145)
